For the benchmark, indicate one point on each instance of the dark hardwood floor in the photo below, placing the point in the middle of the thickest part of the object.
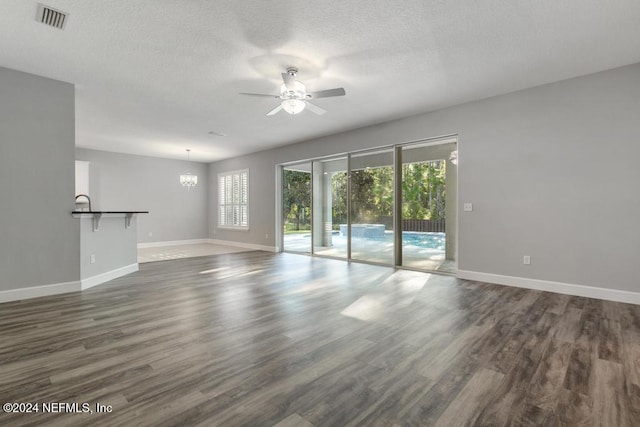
(264, 339)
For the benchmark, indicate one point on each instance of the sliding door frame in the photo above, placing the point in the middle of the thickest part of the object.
(280, 247)
(358, 153)
(397, 201)
(397, 205)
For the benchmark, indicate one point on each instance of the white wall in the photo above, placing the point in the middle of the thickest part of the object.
(129, 182)
(551, 172)
(39, 239)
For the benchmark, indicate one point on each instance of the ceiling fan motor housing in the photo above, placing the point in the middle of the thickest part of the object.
(300, 91)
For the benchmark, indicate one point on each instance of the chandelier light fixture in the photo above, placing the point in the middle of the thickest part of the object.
(188, 180)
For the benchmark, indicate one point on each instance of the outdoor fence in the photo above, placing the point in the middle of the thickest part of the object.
(424, 225)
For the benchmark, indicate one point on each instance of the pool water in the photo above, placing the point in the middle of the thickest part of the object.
(422, 240)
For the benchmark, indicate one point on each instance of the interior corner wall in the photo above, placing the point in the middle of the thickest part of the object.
(131, 182)
(551, 172)
(39, 239)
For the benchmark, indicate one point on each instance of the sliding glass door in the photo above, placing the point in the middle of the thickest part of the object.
(296, 207)
(392, 206)
(330, 207)
(371, 180)
(428, 206)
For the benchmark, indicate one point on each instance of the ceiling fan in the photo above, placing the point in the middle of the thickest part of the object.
(294, 96)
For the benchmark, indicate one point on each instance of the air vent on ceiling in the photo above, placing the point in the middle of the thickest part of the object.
(52, 17)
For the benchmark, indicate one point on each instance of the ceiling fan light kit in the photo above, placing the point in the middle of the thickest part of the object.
(293, 106)
(294, 97)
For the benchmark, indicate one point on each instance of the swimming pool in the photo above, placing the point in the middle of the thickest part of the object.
(422, 240)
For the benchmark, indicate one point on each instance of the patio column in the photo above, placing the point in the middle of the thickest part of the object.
(322, 206)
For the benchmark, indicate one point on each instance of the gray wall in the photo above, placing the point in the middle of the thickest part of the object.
(113, 245)
(129, 182)
(551, 172)
(39, 239)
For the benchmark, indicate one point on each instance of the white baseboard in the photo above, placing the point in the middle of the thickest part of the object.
(38, 291)
(109, 275)
(243, 245)
(172, 243)
(63, 288)
(557, 287)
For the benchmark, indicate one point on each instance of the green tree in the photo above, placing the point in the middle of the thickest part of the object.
(383, 191)
(423, 190)
(296, 197)
(339, 199)
(423, 193)
(362, 201)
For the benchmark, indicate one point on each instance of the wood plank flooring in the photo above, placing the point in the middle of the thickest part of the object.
(262, 339)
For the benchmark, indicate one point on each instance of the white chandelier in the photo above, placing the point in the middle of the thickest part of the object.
(188, 180)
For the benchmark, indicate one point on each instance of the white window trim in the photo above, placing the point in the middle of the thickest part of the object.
(233, 227)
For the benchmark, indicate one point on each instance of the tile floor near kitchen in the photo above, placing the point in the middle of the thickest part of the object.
(163, 253)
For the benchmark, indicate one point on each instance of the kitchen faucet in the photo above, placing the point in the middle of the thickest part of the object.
(87, 197)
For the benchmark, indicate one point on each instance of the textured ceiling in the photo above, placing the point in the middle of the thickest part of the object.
(153, 77)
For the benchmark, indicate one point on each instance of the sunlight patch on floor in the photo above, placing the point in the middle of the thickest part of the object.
(396, 291)
(368, 307)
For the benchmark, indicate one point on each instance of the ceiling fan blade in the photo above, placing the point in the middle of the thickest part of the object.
(260, 94)
(327, 93)
(289, 81)
(315, 109)
(275, 110)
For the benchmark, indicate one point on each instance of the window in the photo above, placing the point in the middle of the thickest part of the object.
(233, 199)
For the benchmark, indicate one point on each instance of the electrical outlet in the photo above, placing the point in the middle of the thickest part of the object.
(468, 207)
(93, 259)
(266, 236)
(150, 234)
(526, 260)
